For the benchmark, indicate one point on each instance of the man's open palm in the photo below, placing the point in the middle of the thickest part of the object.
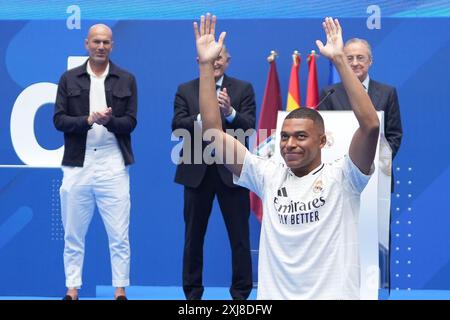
(207, 48)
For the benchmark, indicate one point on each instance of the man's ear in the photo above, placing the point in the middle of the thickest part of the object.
(323, 140)
(196, 59)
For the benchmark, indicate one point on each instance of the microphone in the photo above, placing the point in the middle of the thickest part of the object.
(329, 93)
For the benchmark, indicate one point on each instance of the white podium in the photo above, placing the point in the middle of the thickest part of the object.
(374, 218)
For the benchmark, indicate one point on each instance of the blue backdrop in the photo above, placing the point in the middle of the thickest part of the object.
(411, 51)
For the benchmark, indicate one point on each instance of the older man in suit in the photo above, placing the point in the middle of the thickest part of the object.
(203, 180)
(384, 97)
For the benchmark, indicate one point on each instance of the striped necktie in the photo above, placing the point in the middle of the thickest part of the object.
(364, 87)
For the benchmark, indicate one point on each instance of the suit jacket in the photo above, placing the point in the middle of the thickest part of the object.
(383, 97)
(186, 109)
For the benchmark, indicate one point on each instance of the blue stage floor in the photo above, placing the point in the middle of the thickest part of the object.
(218, 293)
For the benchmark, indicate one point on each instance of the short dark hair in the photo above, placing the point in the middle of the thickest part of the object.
(306, 113)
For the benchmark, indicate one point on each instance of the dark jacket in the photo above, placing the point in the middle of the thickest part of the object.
(72, 111)
(186, 109)
(384, 98)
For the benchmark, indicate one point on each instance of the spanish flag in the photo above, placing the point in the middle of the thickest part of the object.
(293, 99)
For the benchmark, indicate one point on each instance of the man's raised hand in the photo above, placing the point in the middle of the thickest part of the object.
(207, 47)
(335, 44)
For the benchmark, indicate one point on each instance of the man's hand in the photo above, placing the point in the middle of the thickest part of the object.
(224, 102)
(207, 48)
(335, 45)
(100, 117)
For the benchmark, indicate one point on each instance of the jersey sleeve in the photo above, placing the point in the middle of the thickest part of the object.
(255, 172)
(356, 179)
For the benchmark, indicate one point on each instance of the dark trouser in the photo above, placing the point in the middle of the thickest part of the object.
(235, 206)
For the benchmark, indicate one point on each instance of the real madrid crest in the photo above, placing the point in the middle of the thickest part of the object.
(318, 186)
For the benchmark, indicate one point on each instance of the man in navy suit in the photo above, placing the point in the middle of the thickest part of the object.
(202, 180)
(384, 97)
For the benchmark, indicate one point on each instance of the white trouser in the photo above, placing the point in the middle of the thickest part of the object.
(102, 181)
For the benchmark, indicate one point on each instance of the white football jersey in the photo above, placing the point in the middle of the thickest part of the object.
(309, 242)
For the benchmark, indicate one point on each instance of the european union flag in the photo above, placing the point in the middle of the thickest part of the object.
(333, 75)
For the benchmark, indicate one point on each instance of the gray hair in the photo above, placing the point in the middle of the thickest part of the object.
(363, 41)
(224, 49)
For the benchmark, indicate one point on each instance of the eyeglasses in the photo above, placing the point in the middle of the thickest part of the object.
(359, 58)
